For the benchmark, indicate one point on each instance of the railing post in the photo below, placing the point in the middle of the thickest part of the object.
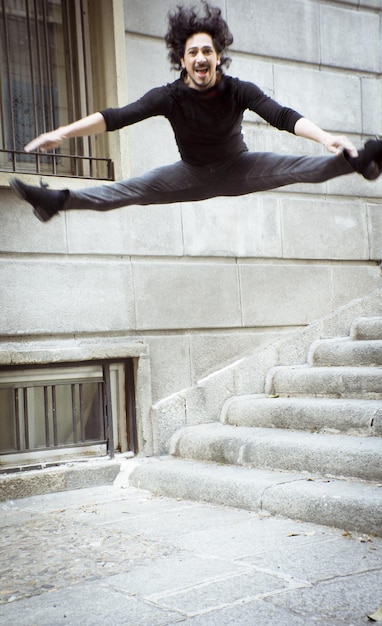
(109, 412)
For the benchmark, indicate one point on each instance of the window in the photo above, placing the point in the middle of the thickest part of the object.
(45, 82)
(74, 409)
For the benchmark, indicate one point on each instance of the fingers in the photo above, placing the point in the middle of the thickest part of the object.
(34, 145)
(340, 143)
(44, 142)
(346, 144)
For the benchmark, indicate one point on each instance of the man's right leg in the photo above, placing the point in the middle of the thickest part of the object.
(168, 184)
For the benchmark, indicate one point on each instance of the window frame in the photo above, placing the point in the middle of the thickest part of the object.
(106, 71)
(117, 380)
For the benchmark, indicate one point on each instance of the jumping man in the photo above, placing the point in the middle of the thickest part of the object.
(205, 109)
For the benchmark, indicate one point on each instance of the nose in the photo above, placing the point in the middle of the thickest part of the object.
(200, 57)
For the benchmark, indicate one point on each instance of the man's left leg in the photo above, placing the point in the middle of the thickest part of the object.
(261, 171)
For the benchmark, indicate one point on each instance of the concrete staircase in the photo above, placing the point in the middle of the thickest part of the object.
(309, 448)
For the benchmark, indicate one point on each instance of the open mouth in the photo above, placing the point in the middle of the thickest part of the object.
(201, 71)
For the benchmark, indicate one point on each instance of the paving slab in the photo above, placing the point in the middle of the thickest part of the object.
(116, 554)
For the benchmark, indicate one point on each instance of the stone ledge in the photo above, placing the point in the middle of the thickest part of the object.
(75, 475)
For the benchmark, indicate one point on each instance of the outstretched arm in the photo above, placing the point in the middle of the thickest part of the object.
(333, 143)
(90, 125)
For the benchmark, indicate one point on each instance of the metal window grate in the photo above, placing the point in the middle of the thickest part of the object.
(61, 414)
(82, 433)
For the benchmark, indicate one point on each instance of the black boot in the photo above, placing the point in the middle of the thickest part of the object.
(369, 159)
(46, 202)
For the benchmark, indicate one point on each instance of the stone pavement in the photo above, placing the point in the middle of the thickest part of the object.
(116, 555)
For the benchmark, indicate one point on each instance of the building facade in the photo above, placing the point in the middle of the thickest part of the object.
(136, 304)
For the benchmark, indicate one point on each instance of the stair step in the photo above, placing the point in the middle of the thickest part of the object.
(366, 328)
(292, 451)
(313, 414)
(355, 506)
(343, 352)
(336, 382)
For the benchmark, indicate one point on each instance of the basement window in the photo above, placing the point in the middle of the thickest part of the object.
(53, 413)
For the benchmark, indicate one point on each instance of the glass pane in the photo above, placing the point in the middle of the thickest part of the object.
(87, 415)
(93, 413)
(36, 421)
(33, 70)
(64, 415)
(7, 421)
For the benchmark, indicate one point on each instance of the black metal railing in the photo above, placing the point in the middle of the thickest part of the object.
(17, 161)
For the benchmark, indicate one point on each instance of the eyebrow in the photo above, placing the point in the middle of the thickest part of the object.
(202, 47)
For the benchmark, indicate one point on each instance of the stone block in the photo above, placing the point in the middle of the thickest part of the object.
(103, 604)
(350, 51)
(322, 96)
(143, 74)
(223, 593)
(375, 231)
(228, 485)
(35, 482)
(287, 450)
(367, 4)
(50, 296)
(278, 28)
(250, 374)
(168, 416)
(355, 185)
(210, 352)
(264, 138)
(146, 154)
(65, 477)
(21, 232)
(252, 69)
(80, 476)
(334, 352)
(366, 329)
(246, 226)
(186, 295)
(150, 18)
(204, 402)
(325, 560)
(350, 506)
(174, 352)
(354, 281)
(337, 382)
(371, 93)
(284, 295)
(146, 17)
(174, 572)
(327, 230)
(150, 230)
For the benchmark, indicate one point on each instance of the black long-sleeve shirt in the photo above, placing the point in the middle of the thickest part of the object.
(207, 124)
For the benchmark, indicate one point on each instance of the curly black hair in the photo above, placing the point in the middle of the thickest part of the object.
(185, 22)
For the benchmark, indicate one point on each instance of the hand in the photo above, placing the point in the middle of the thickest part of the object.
(338, 143)
(46, 141)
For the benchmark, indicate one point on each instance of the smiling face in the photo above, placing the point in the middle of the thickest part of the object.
(200, 61)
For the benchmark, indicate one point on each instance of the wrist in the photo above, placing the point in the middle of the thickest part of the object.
(326, 139)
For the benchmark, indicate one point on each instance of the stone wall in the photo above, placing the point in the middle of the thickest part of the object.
(202, 284)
